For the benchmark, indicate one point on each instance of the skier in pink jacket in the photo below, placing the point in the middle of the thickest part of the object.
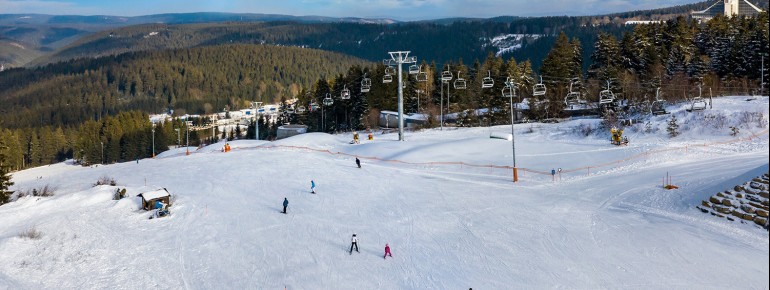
(387, 251)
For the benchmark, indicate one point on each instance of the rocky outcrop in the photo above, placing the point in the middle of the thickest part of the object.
(747, 203)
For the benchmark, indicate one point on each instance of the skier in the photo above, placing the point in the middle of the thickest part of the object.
(285, 204)
(387, 251)
(358, 162)
(160, 209)
(312, 186)
(354, 243)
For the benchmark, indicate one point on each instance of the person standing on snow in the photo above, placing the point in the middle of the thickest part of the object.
(387, 251)
(354, 243)
(358, 162)
(312, 186)
(285, 204)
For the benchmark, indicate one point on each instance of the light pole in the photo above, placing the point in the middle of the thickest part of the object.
(399, 58)
(187, 145)
(153, 140)
(513, 87)
(446, 76)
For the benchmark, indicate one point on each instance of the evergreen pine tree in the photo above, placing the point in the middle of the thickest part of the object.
(5, 175)
(673, 127)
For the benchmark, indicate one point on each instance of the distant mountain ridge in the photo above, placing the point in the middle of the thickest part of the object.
(50, 38)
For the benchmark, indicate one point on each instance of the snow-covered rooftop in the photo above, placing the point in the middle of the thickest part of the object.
(150, 195)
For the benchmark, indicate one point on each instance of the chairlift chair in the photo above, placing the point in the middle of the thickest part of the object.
(290, 110)
(345, 94)
(573, 98)
(328, 101)
(421, 75)
(389, 70)
(414, 69)
(459, 82)
(313, 106)
(446, 75)
(300, 109)
(539, 89)
(487, 82)
(509, 90)
(658, 106)
(387, 79)
(606, 97)
(697, 104)
(366, 84)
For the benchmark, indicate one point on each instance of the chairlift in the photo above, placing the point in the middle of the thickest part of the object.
(345, 94)
(313, 106)
(606, 96)
(421, 76)
(414, 69)
(573, 97)
(366, 84)
(539, 89)
(488, 82)
(387, 79)
(328, 101)
(509, 90)
(658, 106)
(389, 70)
(300, 109)
(446, 75)
(698, 103)
(459, 82)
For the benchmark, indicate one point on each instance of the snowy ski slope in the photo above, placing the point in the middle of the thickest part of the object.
(449, 226)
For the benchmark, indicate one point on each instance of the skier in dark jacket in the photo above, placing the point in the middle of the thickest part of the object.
(354, 243)
(358, 162)
(285, 204)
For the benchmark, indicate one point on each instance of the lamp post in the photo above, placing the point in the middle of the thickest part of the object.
(513, 87)
(153, 140)
(444, 80)
(399, 58)
(187, 145)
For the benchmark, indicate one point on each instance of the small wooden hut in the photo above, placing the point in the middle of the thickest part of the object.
(149, 198)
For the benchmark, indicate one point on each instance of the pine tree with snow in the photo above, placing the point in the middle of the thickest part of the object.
(673, 127)
(5, 175)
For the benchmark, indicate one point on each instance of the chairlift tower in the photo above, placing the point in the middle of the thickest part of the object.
(399, 58)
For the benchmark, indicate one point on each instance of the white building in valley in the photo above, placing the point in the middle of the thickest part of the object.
(727, 8)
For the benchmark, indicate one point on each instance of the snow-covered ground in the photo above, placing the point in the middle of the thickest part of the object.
(449, 225)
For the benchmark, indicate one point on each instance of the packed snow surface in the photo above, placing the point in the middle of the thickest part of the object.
(600, 224)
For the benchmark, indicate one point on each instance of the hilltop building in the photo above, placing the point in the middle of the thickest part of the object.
(727, 8)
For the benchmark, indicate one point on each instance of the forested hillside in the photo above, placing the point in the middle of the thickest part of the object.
(197, 80)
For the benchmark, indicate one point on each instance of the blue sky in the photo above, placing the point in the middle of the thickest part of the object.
(396, 9)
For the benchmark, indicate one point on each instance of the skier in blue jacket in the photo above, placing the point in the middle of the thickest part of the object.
(312, 186)
(285, 204)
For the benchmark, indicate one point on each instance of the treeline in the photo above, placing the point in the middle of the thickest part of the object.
(126, 136)
(722, 56)
(195, 81)
(468, 40)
